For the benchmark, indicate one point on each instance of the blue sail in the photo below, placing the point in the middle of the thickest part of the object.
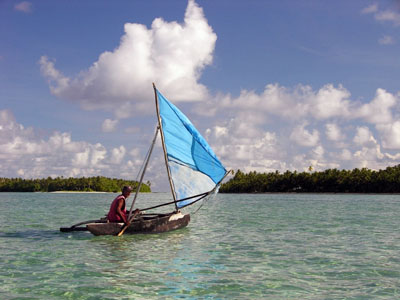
(193, 165)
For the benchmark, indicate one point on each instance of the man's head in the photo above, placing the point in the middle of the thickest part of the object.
(126, 190)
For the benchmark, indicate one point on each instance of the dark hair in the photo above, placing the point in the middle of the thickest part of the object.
(126, 188)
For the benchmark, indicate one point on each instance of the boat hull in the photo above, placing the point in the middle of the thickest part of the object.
(143, 224)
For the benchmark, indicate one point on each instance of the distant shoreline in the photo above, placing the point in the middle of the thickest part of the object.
(69, 185)
(75, 192)
(362, 181)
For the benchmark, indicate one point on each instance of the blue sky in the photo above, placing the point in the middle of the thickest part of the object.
(272, 85)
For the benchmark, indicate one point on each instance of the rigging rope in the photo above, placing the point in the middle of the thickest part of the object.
(144, 161)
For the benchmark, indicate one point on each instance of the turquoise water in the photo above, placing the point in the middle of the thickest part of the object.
(273, 246)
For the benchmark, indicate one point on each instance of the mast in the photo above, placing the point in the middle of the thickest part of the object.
(144, 170)
(164, 148)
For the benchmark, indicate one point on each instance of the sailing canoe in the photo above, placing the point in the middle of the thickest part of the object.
(194, 173)
(143, 224)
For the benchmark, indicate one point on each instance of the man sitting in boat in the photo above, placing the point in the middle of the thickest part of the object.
(118, 211)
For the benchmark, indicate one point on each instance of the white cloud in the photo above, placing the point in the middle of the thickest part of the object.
(98, 154)
(333, 132)
(370, 157)
(109, 125)
(386, 40)
(300, 102)
(345, 155)
(275, 99)
(135, 152)
(383, 15)
(172, 55)
(81, 159)
(390, 135)
(330, 102)
(379, 109)
(364, 137)
(238, 140)
(23, 6)
(117, 154)
(242, 145)
(220, 131)
(23, 153)
(388, 16)
(318, 152)
(303, 137)
(370, 9)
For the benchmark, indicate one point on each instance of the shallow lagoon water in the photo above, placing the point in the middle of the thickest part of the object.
(269, 246)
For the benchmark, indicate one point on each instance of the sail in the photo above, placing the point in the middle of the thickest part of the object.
(194, 168)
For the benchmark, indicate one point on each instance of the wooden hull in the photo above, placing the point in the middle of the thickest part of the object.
(143, 224)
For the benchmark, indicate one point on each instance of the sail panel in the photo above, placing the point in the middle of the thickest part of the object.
(188, 182)
(193, 164)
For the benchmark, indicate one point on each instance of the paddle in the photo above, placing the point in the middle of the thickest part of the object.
(130, 220)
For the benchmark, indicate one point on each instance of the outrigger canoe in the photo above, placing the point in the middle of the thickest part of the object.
(194, 173)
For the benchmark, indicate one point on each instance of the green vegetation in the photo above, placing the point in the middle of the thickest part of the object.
(83, 184)
(328, 181)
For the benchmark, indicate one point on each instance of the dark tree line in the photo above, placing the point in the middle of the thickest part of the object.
(83, 184)
(328, 181)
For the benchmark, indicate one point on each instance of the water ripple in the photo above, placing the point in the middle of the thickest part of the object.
(275, 246)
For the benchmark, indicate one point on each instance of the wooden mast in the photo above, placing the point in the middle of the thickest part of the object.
(164, 148)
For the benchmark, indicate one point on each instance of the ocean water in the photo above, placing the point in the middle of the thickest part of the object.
(272, 246)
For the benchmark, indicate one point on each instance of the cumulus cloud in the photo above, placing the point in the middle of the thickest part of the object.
(109, 125)
(117, 154)
(296, 117)
(333, 132)
(171, 54)
(318, 152)
(299, 102)
(370, 158)
(24, 6)
(390, 135)
(275, 99)
(330, 102)
(345, 155)
(379, 110)
(24, 153)
(303, 137)
(364, 137)
(242, 145)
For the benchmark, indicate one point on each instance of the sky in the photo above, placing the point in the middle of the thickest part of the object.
(271, 85)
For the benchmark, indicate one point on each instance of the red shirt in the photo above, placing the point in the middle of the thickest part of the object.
(112, 214)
